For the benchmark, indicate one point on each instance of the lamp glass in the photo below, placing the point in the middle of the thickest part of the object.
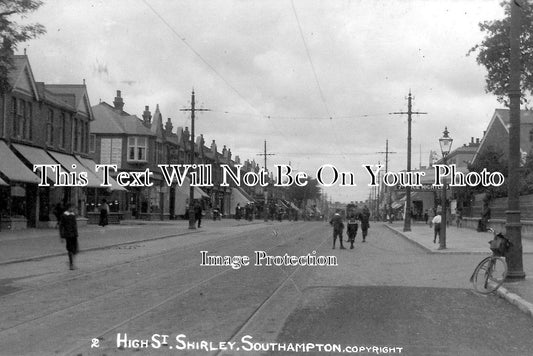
(445, 143)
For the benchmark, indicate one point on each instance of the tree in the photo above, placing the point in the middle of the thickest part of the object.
(493, 160)
(300, 194)
(13, 33)
(494, 52)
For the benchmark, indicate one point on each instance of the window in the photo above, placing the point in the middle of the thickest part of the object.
(531, 135)
(21, 118)
(16, 114)
(82, 136)
(111, 151)
(92, 143)
(49, 128)
(28, 121)
(137, 148)
(86, 137)
(75, 135)
(62, 130)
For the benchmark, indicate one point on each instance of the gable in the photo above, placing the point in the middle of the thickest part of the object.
(83, 106)
(25, 84)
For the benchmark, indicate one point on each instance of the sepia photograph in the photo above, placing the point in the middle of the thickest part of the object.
(250, 177)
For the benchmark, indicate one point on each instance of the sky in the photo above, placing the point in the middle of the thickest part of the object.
(316, 79)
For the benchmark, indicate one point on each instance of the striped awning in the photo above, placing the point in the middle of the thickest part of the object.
(90, 165)
(13, 168)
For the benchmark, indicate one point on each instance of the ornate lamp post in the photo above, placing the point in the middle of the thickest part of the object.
(445, 146)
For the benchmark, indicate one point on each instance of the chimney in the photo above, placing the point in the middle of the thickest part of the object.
(168, 127)
(186, 135)
(118, 102)
(472, 139)
(224, 152)
(147, 116)
(214, 147)
(477, 141)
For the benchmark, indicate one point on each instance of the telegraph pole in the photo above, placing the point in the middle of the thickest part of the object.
(513, 225)
(378, 193)
(387, 188)
(407, 212)
(265, 154)
(192, 109)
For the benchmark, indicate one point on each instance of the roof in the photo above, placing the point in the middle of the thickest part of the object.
(157, 123)
(526, 116)
(20, 76)
(503, 116)
(107, 120)
(74, 94)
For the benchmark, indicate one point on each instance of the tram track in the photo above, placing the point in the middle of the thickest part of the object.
(96, 274)
(245, 241)
(83, 345)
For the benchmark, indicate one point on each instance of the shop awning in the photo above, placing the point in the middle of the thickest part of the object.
(90, 165)
(2, 182)
(71, 164)
(184, 189)
(13, 168)
(237, 198)
(36, 155)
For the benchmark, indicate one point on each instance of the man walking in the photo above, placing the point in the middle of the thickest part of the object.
(352, 225)
(365, 221)
(68, 230)
(338, 227)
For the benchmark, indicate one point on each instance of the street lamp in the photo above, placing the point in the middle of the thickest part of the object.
(445, 146)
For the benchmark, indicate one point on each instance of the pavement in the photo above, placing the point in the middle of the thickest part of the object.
(469, 241)
(35, 244)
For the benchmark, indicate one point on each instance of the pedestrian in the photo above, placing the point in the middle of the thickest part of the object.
(58, 211)
(338, 228)
(431, 215)
(238, 211)
(352, 225)
(364, 217)
(104, 213)
(68, 230)
(485, 217)
(198, 213)
(436, 223)
(426, 216)
(458, 217)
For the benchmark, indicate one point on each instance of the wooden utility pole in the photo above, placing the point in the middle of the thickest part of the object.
(513, 225)
(387, 188)
(265, 208)
(192, 109)
(410, 112)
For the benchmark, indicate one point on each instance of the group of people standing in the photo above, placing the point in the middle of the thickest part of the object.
(353, 217)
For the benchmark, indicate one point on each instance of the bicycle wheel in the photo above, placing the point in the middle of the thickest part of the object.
(489, 274)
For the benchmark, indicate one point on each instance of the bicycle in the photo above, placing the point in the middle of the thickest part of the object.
(491, 272)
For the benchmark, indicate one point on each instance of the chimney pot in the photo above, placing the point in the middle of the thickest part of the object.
(118, 102)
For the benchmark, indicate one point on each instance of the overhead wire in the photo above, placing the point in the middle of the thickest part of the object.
(321, 92)
(211, 67)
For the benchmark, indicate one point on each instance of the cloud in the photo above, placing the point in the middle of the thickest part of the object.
(247, 63)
